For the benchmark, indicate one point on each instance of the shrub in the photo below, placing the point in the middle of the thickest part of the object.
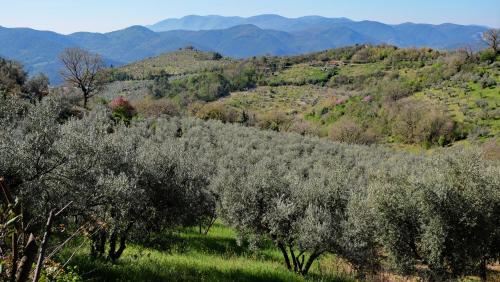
(348, 131)
(209, 86)
(12, 76)
(275, 121)
(304, 128)
(421, 123)
(122, 109)
(161, 86)
(218, 111)
(393, 91)
(487, 82)
(157, 108)
(487, 55)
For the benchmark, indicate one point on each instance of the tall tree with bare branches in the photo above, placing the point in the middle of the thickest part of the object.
(492, 38)
(82, 70)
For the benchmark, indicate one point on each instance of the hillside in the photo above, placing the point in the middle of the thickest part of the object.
(194, 167)
(370, 94)
(179, 62)
(233, 37)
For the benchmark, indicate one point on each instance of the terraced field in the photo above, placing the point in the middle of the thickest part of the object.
(184, 61)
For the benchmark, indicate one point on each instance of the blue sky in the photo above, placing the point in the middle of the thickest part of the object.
(68, 16)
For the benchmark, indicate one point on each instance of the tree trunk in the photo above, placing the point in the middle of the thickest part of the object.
(24, 269)
(85, 100)
(309, 263)
(98, 246)
(285, 255)
(14, 257)
(294, 259)
(112, 244)
(211, 223)
(101, 242)
(123, 240)
(43, 247)
(483, 270)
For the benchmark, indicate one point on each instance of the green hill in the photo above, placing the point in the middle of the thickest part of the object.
(185, 61)
(361, 94)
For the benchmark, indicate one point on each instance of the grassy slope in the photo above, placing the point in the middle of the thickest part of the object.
(463, 107)
(196, 257)
(175, 63)
(299, 100)
(289, 99)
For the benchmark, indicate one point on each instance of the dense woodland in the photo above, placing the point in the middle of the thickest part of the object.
(120, 171)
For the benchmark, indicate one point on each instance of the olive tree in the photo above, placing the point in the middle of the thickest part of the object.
(444, 214)
(37, 87)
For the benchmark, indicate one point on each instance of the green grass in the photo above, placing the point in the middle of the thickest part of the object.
(294, 100)
(463, 106)
(361, 69)
(191, 256)
(300, 75)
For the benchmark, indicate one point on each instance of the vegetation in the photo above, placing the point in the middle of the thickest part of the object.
(187, 255)
(377, 90)
(306, 196)
(110, 193)
(82, 70)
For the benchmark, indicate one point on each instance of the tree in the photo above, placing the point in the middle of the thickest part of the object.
(492, 38)
(37, 87)
(444, 215)
(348, 131)
(12, 77)
(82, 70)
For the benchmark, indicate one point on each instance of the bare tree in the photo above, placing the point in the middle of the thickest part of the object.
(492, 38)
(82, 69)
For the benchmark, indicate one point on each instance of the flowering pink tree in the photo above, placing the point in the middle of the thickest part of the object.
(122, 109)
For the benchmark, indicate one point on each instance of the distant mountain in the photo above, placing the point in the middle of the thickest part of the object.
(275, 22)
(231, 36)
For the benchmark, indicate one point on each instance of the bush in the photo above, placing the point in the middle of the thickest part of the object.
(348, 131)
(161, 86)
(421, 123)
(219, 111)
(241, 77)
(121, 109)
(275, 121)
(487, 55)
(487, 82)
(394, 91)
(12, 77)
(157, 108)
(208, 86)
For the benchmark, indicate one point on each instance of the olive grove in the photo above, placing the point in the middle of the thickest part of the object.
(434, 216)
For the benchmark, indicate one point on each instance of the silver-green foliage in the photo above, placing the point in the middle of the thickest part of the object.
(306, 195)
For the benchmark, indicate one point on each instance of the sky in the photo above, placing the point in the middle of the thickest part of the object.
(67, 16)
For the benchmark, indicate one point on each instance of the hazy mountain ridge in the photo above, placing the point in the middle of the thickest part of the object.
(231, 36)
(196, 23)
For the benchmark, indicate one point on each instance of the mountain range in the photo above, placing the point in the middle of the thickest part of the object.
(231, 36)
